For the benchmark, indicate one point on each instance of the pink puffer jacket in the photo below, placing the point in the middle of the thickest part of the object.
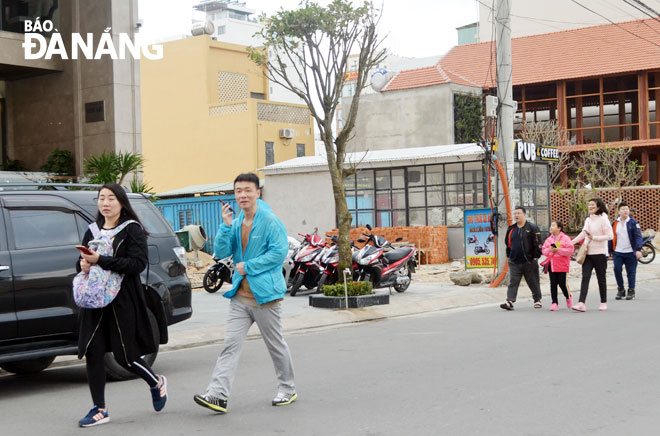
(560, 261)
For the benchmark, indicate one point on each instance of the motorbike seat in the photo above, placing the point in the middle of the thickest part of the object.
(398, 254)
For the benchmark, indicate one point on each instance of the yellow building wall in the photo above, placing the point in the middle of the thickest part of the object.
(199, 128)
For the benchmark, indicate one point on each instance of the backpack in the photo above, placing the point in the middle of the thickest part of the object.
(98, 287)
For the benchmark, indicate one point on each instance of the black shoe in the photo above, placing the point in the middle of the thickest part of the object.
(507, 306)
(210, 402)
(631, 294)
(620, 293)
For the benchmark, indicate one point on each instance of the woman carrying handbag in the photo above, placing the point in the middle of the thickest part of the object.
(597, 231)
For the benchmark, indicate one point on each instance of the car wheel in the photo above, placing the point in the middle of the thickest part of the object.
(117, 372)
(30, 366)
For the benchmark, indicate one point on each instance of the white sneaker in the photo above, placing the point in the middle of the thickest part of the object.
(284, 398)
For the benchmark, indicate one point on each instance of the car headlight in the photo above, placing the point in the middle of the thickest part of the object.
(181, 255)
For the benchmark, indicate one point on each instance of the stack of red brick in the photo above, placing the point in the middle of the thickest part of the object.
(432, 240)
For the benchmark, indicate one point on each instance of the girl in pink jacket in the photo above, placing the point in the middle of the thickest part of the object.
(597, 231)
(558, 249)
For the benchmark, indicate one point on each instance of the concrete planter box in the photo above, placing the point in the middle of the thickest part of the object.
(353, 302)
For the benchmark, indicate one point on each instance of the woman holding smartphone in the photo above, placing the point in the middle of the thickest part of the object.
(597, 231)
(122, 327)
(558, 249)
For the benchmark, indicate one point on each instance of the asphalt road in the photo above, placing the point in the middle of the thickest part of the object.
(477, 371)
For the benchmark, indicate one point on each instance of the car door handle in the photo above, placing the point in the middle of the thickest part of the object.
(4, 267)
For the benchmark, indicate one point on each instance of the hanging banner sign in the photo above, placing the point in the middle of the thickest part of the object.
(479, 239)
(528, 151)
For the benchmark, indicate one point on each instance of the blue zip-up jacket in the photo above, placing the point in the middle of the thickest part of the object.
(634, 235)
(266, 249)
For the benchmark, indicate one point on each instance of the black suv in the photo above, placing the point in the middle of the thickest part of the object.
(39, 226)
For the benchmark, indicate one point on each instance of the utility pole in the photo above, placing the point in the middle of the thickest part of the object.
(504, 118)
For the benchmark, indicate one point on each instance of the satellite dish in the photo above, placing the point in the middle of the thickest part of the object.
(203, 28)
(379, 78)
(197, 236)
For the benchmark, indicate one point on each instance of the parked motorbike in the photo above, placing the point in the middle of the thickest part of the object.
(218, 273)
(478, 249)
(648, 251)
(330, 260)
(307, 269)
(384, 265)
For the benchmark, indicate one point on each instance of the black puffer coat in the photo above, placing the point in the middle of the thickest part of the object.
(130, 334)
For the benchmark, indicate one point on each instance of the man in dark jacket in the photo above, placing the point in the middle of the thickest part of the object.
(627, 245)
(523, 250)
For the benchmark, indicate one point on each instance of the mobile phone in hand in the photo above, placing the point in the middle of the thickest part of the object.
(84, 249)
(230, 209)
(553, 245)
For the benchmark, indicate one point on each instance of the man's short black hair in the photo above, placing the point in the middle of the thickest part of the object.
(247, 177)
(623, 204)
(520, 208)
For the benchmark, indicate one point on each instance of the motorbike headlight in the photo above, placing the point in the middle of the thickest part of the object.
(368, 259)
(308, 258)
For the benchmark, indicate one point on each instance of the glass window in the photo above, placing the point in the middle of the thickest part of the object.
(527, 174)
(398, 199)
(437, 216)
(270, 153)
(43, 228)
(454, 173)
(435, 196)
(365, 200)
(384, 219)
(383, 179)
(398, 179)
(399, 217)
(454, 216)
(416, 197)
(365, 180)
(454, 194)
(434, 175)
(541, 197)
(542, 174)
(151, 218)
(383, 200)
(418, 217)
(365, 217)
(416, 176)
(527, 197)
(349, 183)
(300, 150)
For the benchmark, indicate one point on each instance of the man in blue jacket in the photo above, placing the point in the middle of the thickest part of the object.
(257, 240)
(627, 245)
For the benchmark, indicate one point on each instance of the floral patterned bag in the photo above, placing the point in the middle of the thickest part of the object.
(98, 287)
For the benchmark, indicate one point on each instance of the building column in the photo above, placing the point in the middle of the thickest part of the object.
(601, 110)
(643, 109)
(561, 105)
(645, 164)
(579, 121)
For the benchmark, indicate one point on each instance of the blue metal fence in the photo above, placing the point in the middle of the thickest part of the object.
(205, 211)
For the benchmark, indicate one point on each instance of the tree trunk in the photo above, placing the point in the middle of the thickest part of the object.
(343, 217)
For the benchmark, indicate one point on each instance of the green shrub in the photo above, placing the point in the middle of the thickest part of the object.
(59, 162)
(354, 289)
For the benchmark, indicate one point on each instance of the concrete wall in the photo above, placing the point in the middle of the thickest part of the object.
(302, 201)
(407, 118)
(456, 242)
(554, 16)
(48, 112)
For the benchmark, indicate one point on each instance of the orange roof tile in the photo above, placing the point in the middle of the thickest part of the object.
(570, 54)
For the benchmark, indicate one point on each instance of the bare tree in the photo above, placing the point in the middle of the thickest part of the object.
(306, 51)
(549, 133)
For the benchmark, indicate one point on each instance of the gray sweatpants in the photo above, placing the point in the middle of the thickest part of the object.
(269, 321)
(531, 272)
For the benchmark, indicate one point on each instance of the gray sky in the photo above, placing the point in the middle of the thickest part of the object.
(414, 28)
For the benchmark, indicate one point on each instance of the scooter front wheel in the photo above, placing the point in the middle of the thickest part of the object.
(212, 281)
(648, 254)
(297, 283)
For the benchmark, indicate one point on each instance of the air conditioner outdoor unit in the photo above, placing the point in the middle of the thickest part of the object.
(286, 133)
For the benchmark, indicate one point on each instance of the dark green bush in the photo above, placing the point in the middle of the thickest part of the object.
(354, 289)
(59, 162)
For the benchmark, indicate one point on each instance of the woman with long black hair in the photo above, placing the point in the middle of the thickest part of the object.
(122, 327)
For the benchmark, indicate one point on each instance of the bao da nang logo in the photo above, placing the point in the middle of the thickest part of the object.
(82, 46)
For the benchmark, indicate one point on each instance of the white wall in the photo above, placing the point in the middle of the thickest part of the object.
(417, 117)
(533, 17)
(302, 201)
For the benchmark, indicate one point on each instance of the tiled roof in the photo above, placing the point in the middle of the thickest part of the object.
(570, 54)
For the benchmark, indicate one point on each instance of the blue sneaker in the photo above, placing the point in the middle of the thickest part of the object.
(95, 417)
(159, 394)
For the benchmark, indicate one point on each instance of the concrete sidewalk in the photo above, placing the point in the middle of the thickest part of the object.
(430, 291)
